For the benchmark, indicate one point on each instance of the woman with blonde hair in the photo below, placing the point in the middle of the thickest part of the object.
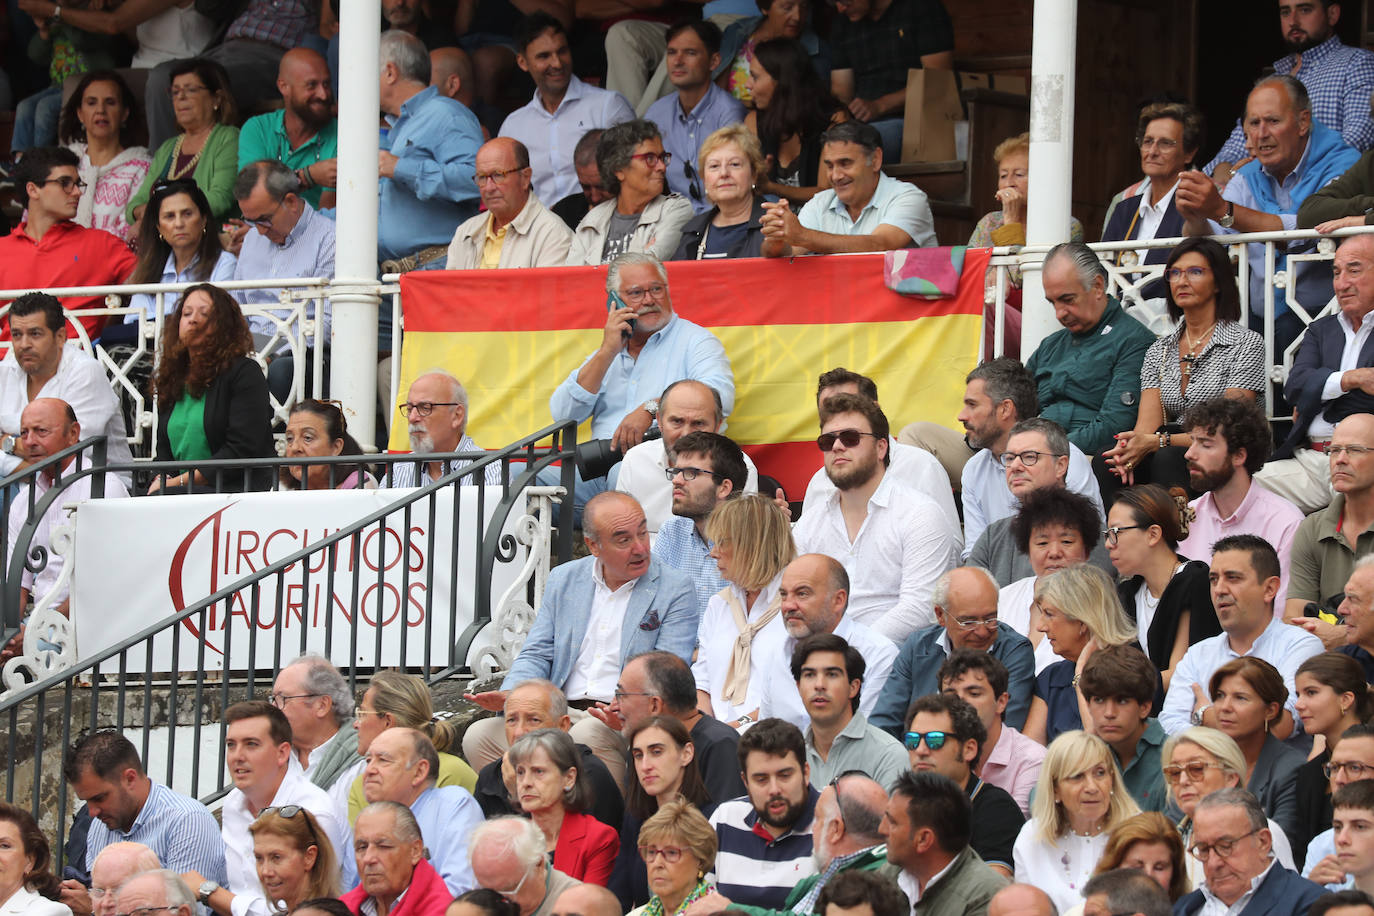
(678, 846)
(751, 539)
(1079, 800)
(731, 164)
(295, 860)
(1079, 614)
(396, 700)
(1149, 842)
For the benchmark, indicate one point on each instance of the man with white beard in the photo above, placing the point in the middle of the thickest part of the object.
(436, 409)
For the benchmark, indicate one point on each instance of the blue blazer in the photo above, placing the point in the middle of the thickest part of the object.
(663, 614)
(1119, 229)
(1281, 893)
(1318, 357)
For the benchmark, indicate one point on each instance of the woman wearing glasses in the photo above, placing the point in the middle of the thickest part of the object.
(731, 168)
(207, 148)
(1331, 696)
(396, 700)
(1198, 762)
(1168, 596)
(1211, 353)
(665, 772)
(294, 857)
(752, 538)
(1079, 614)
(678, 846)
(27, 884)
(1079, 800)
(642, 215)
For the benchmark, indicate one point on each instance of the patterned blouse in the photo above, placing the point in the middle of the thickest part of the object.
(1233, 358)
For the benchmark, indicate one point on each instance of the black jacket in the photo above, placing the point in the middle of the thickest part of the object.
(238, 424)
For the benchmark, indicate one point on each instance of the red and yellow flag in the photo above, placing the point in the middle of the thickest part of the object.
(513, 336)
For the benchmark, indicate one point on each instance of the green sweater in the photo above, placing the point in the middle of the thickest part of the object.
(964, 890)
(215, 172)
(1350, 195)
(873, 858)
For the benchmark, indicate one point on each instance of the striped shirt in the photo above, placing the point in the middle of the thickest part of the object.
(180, 830)
(403, 474)
(755, 868)
(680, 546)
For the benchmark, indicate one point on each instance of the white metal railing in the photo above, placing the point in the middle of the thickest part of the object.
(294, 334)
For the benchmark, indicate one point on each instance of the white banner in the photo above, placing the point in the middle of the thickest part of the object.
(140, 561)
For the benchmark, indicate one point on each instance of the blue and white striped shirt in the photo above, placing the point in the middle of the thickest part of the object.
(180, 830)
(755, 868)
(404, 474)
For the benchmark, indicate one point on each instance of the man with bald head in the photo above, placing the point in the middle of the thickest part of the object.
(597, 612)
(515, 229)
(1021, 900)
(450, 71)
(587, 900)
(114, 865)
(303, 135)
(966, 618)
(436, 411)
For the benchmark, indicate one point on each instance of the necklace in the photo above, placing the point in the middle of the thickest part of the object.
(1191, 357)
(173, 173)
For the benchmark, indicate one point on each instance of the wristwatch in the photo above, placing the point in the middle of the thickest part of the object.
(8, 443)
(206, 889)
(1229, 220)
(651, 406)
(1199, 713)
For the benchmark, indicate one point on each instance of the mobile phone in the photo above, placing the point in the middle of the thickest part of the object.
(613, 302)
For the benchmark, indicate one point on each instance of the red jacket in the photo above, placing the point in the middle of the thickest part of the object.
(427, 894)
(586, 849)
(67, 255)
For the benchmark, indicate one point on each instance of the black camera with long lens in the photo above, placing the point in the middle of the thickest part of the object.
(595, 457)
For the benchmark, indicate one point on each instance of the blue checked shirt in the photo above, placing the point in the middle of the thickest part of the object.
(1339, 80)
(180, 830)
(680, 546)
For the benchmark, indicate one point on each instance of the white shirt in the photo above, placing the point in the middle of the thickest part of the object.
(1212, 906)
(915, 467)
(780, 695)
(987, 497)
(1060, 868)
(642, 476)
(1014, 609)
(597, 669)
(912, 888)
(903, 546)
(295, 789)
(716, 645)
(1281, 644)
(1149, 216)
(1320, 428)
(41, 583)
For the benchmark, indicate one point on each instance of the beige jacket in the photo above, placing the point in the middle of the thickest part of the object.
(660, 227)
(535, 238)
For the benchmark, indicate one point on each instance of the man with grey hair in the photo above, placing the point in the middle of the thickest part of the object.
(1231, 839)
(644, 347)
(516, 229)
(316, 700)
(1357, 613)
(508, 852)
(426, 164)
(292, 240)
(403, 767)
(114, 865)
(1125, 892)
(1294, 156)
(159, 890)
(436, 410)
(390, 853)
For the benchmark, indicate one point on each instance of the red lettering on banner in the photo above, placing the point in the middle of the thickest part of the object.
(176, 572)
(416, 602)
(418, 562)
(244, 555)
(267, 543)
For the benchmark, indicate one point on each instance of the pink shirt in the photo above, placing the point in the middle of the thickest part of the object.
(1014, 765)
(1260, 513)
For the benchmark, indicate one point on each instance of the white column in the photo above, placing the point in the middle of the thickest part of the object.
(353, 376)
(1051, 156)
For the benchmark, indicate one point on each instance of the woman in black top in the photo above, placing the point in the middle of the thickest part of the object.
(792, 108)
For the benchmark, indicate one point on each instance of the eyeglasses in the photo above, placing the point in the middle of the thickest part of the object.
(934, 740)
(185, 92)
(423, 408)
(1114, 533)
(1355, 770)
(849, 438)
(279, 700)
(690, 474)
(148, 911)
(653, 159)
(265, 222)
(359, 714)
(1195, 770)
(1192, 273)
(671, 854)
(66, 182)
(496, 175)
(1351, 451)
(622, 694)
(973, 623)
(1163, 144)
(691, 176)
(1223, 847)
(511, 894)
(835, 784)
(1028, 458)
(640, 293)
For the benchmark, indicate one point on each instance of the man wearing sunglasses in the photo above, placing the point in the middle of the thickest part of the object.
(893, 541)
(49, 249)
(1232, 841)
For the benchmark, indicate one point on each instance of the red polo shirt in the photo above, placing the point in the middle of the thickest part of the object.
(67, 255)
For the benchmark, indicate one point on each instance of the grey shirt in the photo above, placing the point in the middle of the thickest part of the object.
(996, 552)
(858, 746)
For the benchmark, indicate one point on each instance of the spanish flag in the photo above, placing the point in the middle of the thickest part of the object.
(513, 336)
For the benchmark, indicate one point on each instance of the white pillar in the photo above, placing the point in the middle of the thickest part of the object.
(1051, 155)
(353, 296)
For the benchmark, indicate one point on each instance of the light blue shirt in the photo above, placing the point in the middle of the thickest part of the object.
(551, 138)
(679, 350)
(1323, 845)
(894, 203)
(1282, 645)
(683, 135)
(680, 546)
(224, 270)
(987, 497)
(447, 815)
(432, 190)
(307, 252)
(180, 830)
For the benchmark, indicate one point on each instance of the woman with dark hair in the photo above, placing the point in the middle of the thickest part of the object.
(789, 19)
(1149, 843)
(212, 397)
(792, 108)
(178, 243)
(316, 429)
(1331, 696)
(206, 149)
(551, 789)
(482, 902)
(642, 215)
(27, 884)
(1210, 354)
(95, 126)
(1168, 596)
